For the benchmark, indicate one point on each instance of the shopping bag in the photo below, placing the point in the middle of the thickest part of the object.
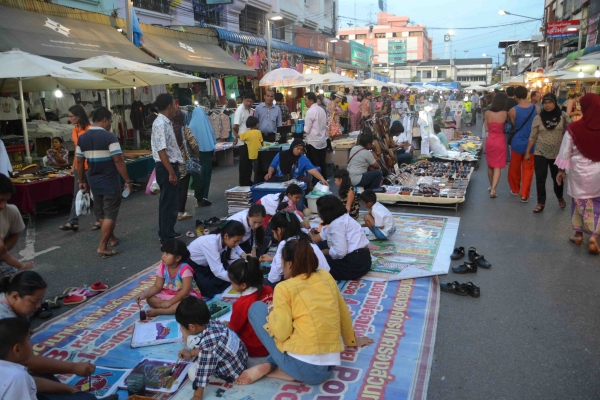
(82, 203)
(152, 186)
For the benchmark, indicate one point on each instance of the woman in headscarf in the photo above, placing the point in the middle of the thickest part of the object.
(203, 132)
(547, 134)
(355, 112)
(580, 154)
(192, 147)
(293, 164)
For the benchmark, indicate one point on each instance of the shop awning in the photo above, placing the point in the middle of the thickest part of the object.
(63, 39)
(194, 56)
(251, 40)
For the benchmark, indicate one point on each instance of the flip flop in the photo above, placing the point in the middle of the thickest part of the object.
(114, 245)
(111, 254)
(96, 227)
(99, 287)
(68, 290)
(69, 228)
(52, 303)
(190, 234)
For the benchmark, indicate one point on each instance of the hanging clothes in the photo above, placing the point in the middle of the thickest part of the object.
(8, 109)
(137, 115)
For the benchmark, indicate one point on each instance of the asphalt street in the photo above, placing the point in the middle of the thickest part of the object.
(531, 335)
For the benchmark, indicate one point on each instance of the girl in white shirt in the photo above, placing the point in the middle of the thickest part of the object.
(210, 255)
(253, 242)
(342, 241)
(285, 227)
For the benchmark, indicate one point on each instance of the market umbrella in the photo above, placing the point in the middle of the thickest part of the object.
(477, 87)
(24, 72)
(282, 77)
(574, 76)
(372, 82)
(331, 78)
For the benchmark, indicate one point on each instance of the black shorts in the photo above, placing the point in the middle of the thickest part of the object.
(107, 206)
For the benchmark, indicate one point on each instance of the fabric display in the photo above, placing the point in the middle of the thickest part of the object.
(86, 95)
(62, 104)
(8, 109)
(89, 109)
(231, 87)
(137, 115)
(221, 125)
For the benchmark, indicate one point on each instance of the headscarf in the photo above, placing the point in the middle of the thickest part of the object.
(287, 159)
(586, 131)
(551, 119)
(202, 130)
(177, 121)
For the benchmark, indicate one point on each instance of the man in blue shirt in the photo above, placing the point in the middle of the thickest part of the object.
(269, 116)
(105, 159)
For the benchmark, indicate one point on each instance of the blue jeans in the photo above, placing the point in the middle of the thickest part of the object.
(371, 179)
(299, 370)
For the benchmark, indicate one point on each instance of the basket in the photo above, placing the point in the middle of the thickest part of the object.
(225, 308)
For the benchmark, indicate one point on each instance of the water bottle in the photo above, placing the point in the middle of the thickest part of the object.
(125, 193)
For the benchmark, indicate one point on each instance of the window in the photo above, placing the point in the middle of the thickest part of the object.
(441, 74)
(210, 15)
(426, 74)
(361, 36)
(161, 6)
(418, 76)
(419, 33)
(380, 35)
(252, 20)
(278, 29)
(343, 37)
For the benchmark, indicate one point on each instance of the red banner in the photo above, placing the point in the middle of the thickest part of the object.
(560, 29)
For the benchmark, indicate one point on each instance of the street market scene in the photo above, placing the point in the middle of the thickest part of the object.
(345, 199)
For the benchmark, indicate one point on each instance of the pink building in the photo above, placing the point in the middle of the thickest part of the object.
(393, 39)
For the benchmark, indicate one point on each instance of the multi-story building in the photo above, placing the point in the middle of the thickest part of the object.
(467, 71)
(394, 39)
(521, 55)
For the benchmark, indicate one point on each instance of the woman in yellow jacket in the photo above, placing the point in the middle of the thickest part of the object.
(303, 331)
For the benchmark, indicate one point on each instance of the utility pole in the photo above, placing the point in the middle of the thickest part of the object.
(335, 36)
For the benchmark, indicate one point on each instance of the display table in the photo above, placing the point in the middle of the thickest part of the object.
(341, 151)
(27, 195)
(139, 169)
(224, 154)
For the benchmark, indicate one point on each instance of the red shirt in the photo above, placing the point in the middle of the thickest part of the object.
(240, 324)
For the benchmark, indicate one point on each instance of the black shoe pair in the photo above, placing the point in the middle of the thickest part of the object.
(461, 289)
(475, 258)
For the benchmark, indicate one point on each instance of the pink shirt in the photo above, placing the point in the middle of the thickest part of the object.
(582, 178)
(315, 126)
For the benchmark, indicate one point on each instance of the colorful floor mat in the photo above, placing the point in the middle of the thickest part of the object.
(400, 315)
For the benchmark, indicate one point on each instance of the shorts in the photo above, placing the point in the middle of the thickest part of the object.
(379, 235)
(107, 206)
(6, 270)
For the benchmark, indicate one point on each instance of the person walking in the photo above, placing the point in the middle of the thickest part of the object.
(315, 129)
(188, 145)
(572, 107)
(269, 117)
(167, 157)
(547, 134)
(520, 172)
(510, 103)
(239, 126)
(103, 153)
(495, 145)
(474, 107)
(79, 118)
(202, 130)
(580, 154)
(335, 127)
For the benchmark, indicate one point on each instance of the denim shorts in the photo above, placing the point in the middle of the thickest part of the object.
(379, 235)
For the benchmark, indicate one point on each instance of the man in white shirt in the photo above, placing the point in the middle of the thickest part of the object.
(239, 126)
(474, 107)
(315, 129)
(402, 106)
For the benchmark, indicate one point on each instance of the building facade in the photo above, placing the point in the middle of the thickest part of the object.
(467, 71)
(395, 40)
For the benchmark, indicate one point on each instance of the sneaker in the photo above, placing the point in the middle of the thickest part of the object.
(454, 287)
(72, 299)
(178, 235)
(465, 268)
(204, 203)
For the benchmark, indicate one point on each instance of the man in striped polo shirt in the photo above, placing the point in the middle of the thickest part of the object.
(105, 159)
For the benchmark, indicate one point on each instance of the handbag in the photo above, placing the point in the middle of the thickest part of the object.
(514, 131)
(192, 165)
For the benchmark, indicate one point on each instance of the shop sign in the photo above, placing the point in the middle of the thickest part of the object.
(592, 35)
(256, 57)
(560, 29)
(316, 41)
(359, 55)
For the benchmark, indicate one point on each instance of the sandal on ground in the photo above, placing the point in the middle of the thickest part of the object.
(190, 234)
(43, 312)
(97, 226)
(454, 287)
(99, 287)
(593, 248)
(478, 259)
(493, 195)
(52, 303)
(578, 240)
(524, 200)
(472, 290)
(109, 255)
(539, 208)
(69, 227)
(184, 216)
(458, 253)
(562, 203)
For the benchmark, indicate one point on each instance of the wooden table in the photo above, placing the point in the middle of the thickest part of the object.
(29, 194)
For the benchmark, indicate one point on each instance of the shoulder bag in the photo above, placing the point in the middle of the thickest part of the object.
(192, 165)
(514, 131)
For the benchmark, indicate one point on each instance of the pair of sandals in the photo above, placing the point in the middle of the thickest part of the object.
(475, 258)
(540, 207)
(461, 289)
(72, 227)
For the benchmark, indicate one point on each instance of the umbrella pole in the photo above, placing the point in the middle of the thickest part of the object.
(24, 122)
(108, 99)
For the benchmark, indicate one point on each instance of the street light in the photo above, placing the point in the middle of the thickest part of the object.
(504, 12)
(270, 17)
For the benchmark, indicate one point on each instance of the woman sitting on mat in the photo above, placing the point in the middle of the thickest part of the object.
(342, 240)
(284, 201)
(210, 255)
(363, 168)
(285, 227)
(174, 281)
(303, 333)
(294, 164)
(253, 242)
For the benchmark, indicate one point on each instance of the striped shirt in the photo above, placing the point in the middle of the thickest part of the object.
(98, 146)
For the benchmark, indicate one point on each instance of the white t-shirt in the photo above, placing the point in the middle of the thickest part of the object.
(8, 109)
(10, 221)
(343, 236)
(276, 272)
(383, 217)
(16, 382)
(401, 138)
(242, 217)
(474, 101)
(239, 119)
(206, 251)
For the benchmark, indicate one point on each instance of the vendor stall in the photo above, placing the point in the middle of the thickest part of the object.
(34, 189)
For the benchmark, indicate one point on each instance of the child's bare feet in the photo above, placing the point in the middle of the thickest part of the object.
(279, 374)
(153, 312)
(253, 374)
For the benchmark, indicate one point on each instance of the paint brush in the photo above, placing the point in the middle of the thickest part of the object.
(172, 370)
(142, 312)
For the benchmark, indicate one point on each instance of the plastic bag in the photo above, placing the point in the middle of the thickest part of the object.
(82, 203)
(152, 187)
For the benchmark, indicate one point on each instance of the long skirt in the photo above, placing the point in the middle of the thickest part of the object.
(354, 122)
(585, 216)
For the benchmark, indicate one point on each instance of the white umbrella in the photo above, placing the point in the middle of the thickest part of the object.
(574, 76)
(477, 87)
(34, 73)
(282, 77)
(372, 82)
(331, 78)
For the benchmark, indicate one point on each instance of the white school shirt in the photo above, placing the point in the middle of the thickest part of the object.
(276, 272)
(271, 202)
(383, 217)
(315, 126)
(16, 382)
(206, 251)
(344, 235)
(242, 217)
(240, 117)
(401, 138)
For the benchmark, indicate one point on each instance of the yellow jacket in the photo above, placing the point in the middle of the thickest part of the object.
(310, 316)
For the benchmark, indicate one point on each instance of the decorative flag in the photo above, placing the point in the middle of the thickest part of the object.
(218, 87)
(138, 36)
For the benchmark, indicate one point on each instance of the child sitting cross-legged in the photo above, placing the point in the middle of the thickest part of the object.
(379, 219)
(174, 281)
(219, 350)
(246, 277)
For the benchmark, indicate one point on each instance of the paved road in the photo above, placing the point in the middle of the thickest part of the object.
(532, 334)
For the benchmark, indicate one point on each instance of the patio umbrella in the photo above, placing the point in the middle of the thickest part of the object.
(282, 77)
(27, 72)
(331, 78)
(574, 76)
(372, 82)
